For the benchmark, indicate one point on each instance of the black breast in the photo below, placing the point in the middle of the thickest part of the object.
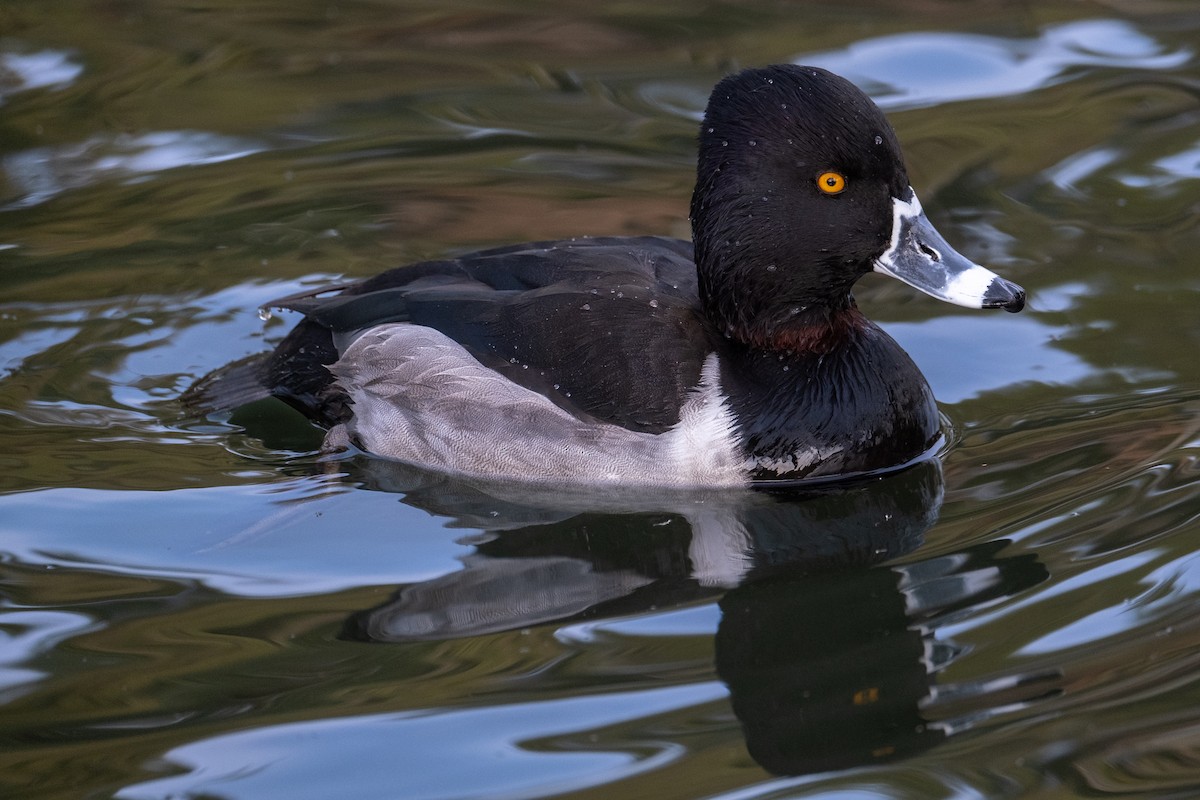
(860, 406)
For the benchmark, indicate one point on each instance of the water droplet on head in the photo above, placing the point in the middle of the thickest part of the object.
(753, 143)
(586, 307)
(878, 140)
(771, 267)
(264, 313)
(724, 144)
(654, 304)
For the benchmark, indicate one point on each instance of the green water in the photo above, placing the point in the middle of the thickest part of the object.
(194, 608)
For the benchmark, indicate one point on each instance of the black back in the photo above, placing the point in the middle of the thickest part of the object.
(609, 328)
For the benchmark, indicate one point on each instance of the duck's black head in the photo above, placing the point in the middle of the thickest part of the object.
(801, 189)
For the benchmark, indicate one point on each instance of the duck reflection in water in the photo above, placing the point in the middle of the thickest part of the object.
(828, 652)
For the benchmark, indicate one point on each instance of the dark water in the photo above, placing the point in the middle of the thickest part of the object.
(188, 609)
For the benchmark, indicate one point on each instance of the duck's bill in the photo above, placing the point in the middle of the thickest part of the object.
(919, 256)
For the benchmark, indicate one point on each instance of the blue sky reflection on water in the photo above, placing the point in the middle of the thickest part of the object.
(980, 364)
(440, 753)
(279, 539)
(913, 70)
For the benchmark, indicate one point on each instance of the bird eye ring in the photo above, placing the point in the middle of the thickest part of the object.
(831, 182)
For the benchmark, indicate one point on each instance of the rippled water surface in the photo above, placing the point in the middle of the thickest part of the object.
(197, 608)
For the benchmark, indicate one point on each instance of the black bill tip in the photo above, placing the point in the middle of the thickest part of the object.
(1004, 294)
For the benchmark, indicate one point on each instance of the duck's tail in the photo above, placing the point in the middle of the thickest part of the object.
(232, 385)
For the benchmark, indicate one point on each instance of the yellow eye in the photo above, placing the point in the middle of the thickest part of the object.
(831, 182)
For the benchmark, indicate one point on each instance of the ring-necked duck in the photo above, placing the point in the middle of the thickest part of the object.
(738, 357)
